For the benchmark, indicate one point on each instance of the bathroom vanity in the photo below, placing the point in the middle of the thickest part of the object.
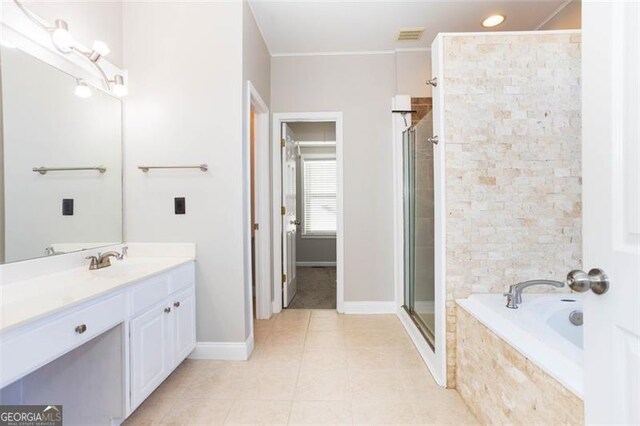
(98, 342)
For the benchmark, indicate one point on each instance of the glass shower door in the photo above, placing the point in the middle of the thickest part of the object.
(418, 177)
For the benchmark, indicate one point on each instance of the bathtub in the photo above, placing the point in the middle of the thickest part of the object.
(539, 329)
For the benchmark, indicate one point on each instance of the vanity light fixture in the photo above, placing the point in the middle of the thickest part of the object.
(63, 42)
(493, 21)
(82, 89)
(119, 89)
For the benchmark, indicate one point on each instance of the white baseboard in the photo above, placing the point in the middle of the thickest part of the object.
(369, 307)
(224, 351)
(311, 264)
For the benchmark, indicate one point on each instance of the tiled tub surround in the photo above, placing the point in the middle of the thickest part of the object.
(511, 104)
(502, 386)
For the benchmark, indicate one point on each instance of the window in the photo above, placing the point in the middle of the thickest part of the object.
(319, 187)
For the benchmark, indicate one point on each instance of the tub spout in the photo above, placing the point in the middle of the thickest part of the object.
(514, 296)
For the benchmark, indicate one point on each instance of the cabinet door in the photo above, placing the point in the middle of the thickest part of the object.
(149, 352)
(183, 305)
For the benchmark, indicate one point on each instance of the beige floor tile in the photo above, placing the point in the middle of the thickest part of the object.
(294, 315)
(324, 359)
(227, 384)
(371, 358)
(372, 323)
(324, 340)
(285, 338)
(274, 357)
(419, 384)
(197, 412)
(259, 412)
(321, 412)
(377, 339)
(382, 385)
(150, 412)
(382, 412)
(325, 313)
(443, 407)
(326, 323)
(319, 385)
(409, 359)
(269, 384)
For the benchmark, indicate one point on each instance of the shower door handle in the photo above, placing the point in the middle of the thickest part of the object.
(433, 140)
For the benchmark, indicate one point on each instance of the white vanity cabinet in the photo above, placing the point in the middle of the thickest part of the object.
(162, 334)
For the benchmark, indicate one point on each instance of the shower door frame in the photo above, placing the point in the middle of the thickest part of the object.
(434, 359)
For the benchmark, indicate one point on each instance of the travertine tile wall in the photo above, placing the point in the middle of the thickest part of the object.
(502, 387)
(513, 181)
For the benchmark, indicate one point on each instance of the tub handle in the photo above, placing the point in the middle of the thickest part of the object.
(581, 281)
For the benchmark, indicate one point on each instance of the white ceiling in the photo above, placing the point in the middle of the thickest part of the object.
(307, 27)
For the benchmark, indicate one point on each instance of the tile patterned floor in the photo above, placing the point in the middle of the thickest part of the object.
(310, 366)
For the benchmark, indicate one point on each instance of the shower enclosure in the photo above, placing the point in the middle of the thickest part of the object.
(418, 183)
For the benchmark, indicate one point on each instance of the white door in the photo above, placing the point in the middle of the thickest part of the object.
(149, 354)
(184, 326)
(289, 221)
(611, 199)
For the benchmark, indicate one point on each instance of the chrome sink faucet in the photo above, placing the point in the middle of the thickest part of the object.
(102, 260)
(514, 296)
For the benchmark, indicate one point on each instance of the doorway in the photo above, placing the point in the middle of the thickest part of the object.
(307, 215)
(315, 220)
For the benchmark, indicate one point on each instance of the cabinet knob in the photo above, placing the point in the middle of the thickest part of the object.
(176, 304)
(81, 328)
(167, 310)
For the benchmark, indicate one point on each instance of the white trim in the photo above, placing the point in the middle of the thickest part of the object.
(278, 119)
(315, 264)
(355, 53)
(224, 351)
(346, 53)
(370, 307)
(425, 351)
(253, 101)
(553, 14)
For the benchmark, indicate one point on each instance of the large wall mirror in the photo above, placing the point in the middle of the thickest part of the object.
(61, 165)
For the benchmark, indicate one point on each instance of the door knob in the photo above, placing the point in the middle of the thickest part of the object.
(295, 222)
(433, 140)
(596, 280)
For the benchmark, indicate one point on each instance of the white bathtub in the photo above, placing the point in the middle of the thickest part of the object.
(539, 329)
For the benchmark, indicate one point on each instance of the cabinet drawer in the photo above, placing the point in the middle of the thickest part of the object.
(24, 352)
(181, 277)
(148, 293)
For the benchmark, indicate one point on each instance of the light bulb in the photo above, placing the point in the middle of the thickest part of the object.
(119, 89)
(61, 37)
(493, 20)
(101, 48)
(82, 89)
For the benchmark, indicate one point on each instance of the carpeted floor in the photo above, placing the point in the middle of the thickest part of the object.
(316, 289)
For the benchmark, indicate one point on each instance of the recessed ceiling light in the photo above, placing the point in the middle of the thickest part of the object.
(493, 20)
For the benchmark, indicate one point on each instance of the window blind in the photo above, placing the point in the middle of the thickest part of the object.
(319, 199)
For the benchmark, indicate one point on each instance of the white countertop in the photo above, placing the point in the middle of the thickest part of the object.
(31, 299)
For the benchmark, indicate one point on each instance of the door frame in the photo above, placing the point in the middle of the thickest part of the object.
(253, 101)
(304, 117)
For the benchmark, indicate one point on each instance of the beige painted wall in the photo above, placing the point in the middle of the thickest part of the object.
(361, 86)
(256, 59)
(185, 107)
(88, 20)
(513, 173)
(569, 18)
(413, 69)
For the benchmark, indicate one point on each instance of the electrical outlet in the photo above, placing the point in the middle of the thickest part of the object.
(67, 207)
(179, 206)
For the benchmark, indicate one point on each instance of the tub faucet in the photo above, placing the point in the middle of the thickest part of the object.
(102, 260)
(514, 296)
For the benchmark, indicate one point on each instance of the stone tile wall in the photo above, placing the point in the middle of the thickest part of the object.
(501, 386)
(513, 180)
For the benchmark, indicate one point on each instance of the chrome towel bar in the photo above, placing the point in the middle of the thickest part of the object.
(44, 170)
(202, 167)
